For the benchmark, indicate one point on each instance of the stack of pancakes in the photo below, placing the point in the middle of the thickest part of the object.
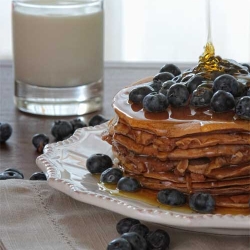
(191, 150)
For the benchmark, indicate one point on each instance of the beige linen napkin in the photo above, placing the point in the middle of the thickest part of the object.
(34, 216)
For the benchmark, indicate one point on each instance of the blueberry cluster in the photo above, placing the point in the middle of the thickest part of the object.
(102, 164)
(136, 236)
(13, 173)
(170, 87)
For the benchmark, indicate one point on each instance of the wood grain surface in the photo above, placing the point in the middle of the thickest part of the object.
(18, 152)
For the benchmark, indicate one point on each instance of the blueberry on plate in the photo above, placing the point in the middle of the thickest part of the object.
(119, 244)
(242, 108)
(178, 95)
(61, 130)
(201, 97)
(39, 141)
(97, 163)
(194, 82)
(165, 87)
(141, 229)
(124, 225)
(111, 175)
(202, 202)
(38, 176)
(227, 83)
(155, 102)
(136, 95)
(177, 79)
(5, 132)
(77, 123)
(128, 184)
(163, 77)
(222, 101)
(171, 197)
(97, 120)
(136, 241)
(171, 68)
(158, 239)
(10, 174)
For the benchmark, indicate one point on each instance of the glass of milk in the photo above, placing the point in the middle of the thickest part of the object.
(58, 56)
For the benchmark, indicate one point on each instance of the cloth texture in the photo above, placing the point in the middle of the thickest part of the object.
(34, 216)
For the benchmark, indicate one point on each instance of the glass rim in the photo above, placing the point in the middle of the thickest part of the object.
(44, 5)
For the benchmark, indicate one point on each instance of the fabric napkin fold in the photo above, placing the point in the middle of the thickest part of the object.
(34, 216)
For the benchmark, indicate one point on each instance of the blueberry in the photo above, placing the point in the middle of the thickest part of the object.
(119, 244)
(158, 240)
(163, 77)
(242, 108)
(207, 85)
(38, 176)
(194, 82)
(111, 175)
(186, 78)
(136, 241)
(124, 225)
(77, 123)
(165, 87)
(61, 130)
(222, 101)
(97, 120)
(39, 141)
(136, 95)
(246, 66)
(10, 174)
(15, 170)
(155, 102)
(227, 83)
(5, 132)
(171, 68)
(178, 95)
(202, 202)
(97, 163)
(171, 197)
(177, 79)
(201, 97)
(156, 86)
(242, 89)
(128, 184)
(141, 229)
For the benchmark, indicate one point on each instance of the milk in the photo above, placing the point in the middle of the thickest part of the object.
(57, 47)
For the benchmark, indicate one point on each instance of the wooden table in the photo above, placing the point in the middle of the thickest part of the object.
(18, 152)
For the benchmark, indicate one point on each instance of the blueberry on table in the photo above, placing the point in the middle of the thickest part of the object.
(119, 244)
(222, 101)
(39, 141)
(77, 123)
(136, 95)
(97, 163)
(201, 97)
(242, 108)
(61, 130)
(10, 174)
(171, 197)
(155, 102)
(14, 170)
(38, 176)
(136, 241)
(5, 132)
(171, 68)
(97, 120)
(158, 239)
(128, 184)
(111, 175)
(141, 229)
(194, 82)
(227, 83)
(178, 95)
(124, 225)
(202, 202)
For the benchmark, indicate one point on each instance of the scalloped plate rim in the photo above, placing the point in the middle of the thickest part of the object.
(197, 222)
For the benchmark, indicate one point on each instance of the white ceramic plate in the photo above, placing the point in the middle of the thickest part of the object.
(64, 164)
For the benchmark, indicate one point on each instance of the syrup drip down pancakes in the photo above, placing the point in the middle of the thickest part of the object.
(185, 148)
